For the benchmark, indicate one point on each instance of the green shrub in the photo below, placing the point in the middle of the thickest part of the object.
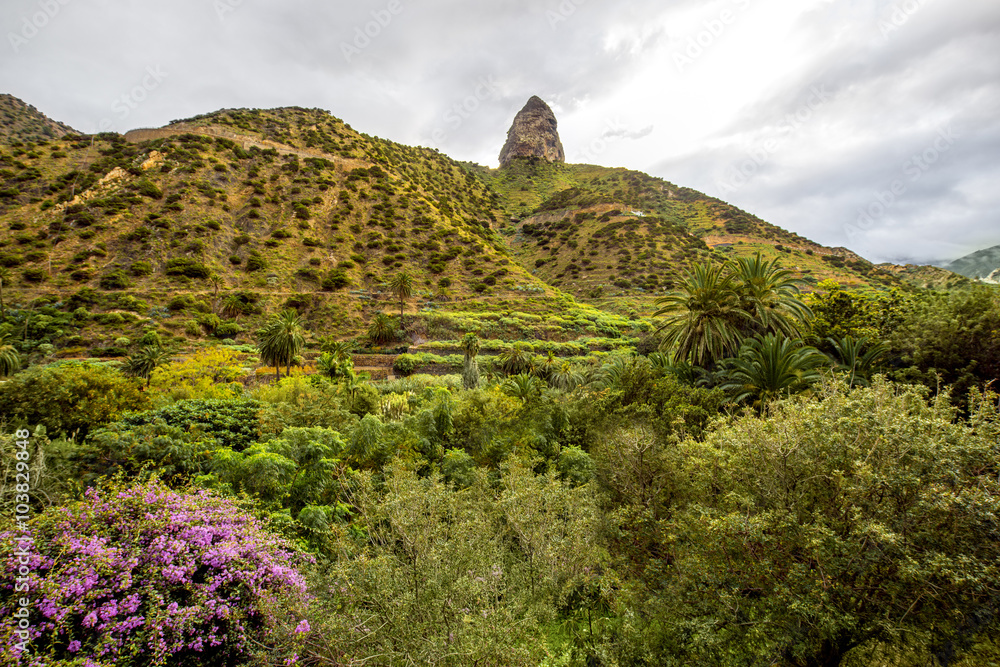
(35, 275)
(114, 280)
(140, 268)
(255, 262)
(405, 364)
(183, 266)
(228, 330)
(336, 279)
(147, 189)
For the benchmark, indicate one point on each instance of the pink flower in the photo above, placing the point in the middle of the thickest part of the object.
(303, 626)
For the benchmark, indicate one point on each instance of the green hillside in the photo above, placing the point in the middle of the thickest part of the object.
(23, 122)
(201, 228)
(599, 232)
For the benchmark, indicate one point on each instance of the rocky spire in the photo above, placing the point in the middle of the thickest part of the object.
(533, 134)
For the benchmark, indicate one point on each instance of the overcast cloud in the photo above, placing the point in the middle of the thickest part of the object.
(871, 124)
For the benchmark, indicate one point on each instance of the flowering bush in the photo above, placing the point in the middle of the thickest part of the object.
(143, 575)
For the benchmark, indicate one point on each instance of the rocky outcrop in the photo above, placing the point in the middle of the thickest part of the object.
(533, 134)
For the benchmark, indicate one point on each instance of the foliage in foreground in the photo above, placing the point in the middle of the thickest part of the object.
(825, 533)
(143, 575)
(434, 574)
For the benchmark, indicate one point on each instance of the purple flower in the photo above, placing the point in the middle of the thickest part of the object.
(149, 569)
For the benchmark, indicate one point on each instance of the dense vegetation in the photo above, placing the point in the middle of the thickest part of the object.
(776, 480)
(305, 396)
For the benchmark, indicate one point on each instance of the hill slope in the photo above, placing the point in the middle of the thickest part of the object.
(239, 213)
(596, 231)
(22, 122)
(977, 265)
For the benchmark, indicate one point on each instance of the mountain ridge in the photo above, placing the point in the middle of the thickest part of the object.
(294, 206)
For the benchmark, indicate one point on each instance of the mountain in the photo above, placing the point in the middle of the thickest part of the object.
(222, 218)
(533, 134)
(23, 122)
(980, 265)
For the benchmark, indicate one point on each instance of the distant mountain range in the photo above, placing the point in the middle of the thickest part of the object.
(981, 265)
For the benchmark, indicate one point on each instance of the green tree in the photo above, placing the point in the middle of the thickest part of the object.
(10, 360)
(470, 368)
(145, 361)
(770, 367)
(566, 377)
(770, 297)
(281, 340)
(951, 338)
(515, 359)
(401, 286)
(859, 524)
(703, 317)
(381, 330)
(860, 313)
(717, 308)
(858, 360)
(526, 388)
(70, 398)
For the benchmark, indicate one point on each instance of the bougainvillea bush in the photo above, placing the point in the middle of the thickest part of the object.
(143, 575)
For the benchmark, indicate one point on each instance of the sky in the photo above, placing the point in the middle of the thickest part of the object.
(868, 124)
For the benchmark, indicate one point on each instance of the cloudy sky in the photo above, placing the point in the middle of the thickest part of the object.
(871, 124)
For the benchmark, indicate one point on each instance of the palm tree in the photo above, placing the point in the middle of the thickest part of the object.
(381, 329)
(10, 360)
(522, 386)
(327, 366)
(4, 275)
(704, 317)
(514, 360)
(470, 368)
(402, 287)
(340, 349)
(233, 306)
(335, 362)
(546, 367)
(856, 362)
(770, 297)
(145, 361)
(566, 377)
(216, 281)
(281, 340)
(770, 367)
